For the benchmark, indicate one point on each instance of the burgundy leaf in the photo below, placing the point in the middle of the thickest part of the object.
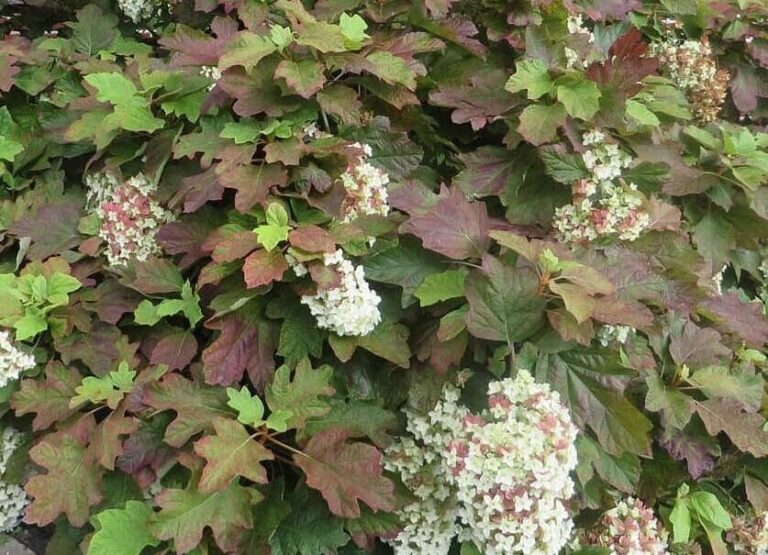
(263, 267)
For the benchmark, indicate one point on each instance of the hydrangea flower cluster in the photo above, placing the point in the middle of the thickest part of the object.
(613, 334)
(499, 479)
(630, 528)
(576, 27)
(12, 361)
(750, 537)
(602, 205)
(138, 10)
(129, 216)
(365, 185)
(352, 308)
(211, 72)
(13, 499)
(692, 66)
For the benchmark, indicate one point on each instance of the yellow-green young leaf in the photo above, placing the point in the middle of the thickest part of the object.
(533, 76)
(322, 36)
(440, 287)
(640, 114)
(230, 453)
(353, 29)
(392, 69)
(246, 131)
(122, 531)
(250, 409)
(131, 110)
(680, 518)
(276, 229)
(581, 98)
(281, 36)
(708, 508)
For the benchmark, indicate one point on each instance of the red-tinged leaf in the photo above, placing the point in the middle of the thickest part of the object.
(305, 77)
(257, 93)
(478, 103)
(682, 179)
(186, 513)
(8, 72)
(697, 346)
(245, 344)
(611, 9)
(287, 152)
(111, 300)
(106, 441)
(459, 30)
(453, 227)
(155, 275)
(53, 229)
(196, 405)
(745, 88)
(191, 47)
(252, 183)
(487, 171)
(439, 8)
(230, 243)
(504, 303)
(699, 453)
(345, 473)
(185, 237)
(49, 400)
(611, 310)
(196, 190)
(263, 267)
(745, 320)
(71, 486)
(99, 349)
(663, 216)
(312, 238)
(214, 272)
(176, 348)
(341, 101)
(144, 453)
(627, 64)
(230, 453)
(745, 429)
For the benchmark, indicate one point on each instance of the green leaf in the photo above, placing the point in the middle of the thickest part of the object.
(122, 531)
(230, 453)
(109, 390)
(440, 287)
(640, 114)
(302, 394)
(717, 382)
(281, 36)
(392, 69)
(185, 513)
(504, 303)
(9, 148)
(94, 30)
(680, 518)
(299, 335)
(250, 409)
(533, 76)
(562, 166)
(146, 314)
(387, 340)
(539, 123)
(708, 507)
(322, 36)
(675, 406)
(305, 77)
(276, 229)
(247, 50)
(131, 112)
(30, 325)
(353, 29)
(245, 131)
(581, 98)
(363, 418)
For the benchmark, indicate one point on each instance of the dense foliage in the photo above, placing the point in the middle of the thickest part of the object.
(352, 276)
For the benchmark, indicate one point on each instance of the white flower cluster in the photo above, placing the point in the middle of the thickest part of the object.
(129, 216)
(750, 537)
(12, 361)
(211, 72)
(608, 334)
(499, 479)
(138, 10)
(13, 499)
(365, 185)
(630, 528)
(352, 308)
(602, 205)
(692, 66)
(576, 26)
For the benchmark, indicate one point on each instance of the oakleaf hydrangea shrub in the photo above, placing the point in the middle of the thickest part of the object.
(423, 277)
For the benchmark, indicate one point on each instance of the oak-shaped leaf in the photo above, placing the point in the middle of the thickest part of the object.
(246, 343)
(747, 430)
(196, 405)
(389, 340)
(174, 347)
(487, 171)
(301, 394)
(504, 302)
(676, 407)
(107, 439)
(186, 513)
(479, 102)
(454, 226)
(345, 473)
(263, 267)
(589, 382)
(304, 77)
(71, 486)
(52, 229)
(50, 399)
(122, 531)
(359, 418)
(230, 453)
(193, 47)
(745, 320)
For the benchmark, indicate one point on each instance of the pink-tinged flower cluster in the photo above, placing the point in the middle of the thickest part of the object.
(750, 536)
(365, 185)
(129, 216)
(603, 205)
(501, 478)
(630, 528)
